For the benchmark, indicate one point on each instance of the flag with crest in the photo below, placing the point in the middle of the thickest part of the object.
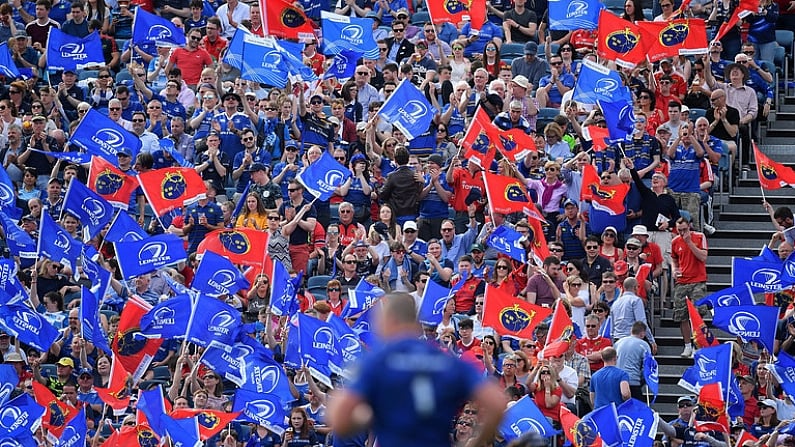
(245, 246)
(56, 412)
(457, 11)
(674, 37)
(511, 316)
(702, 336)
(619, 40)
(283, 19)
(111, 183)
(171, 188)
(480, 140)
(772, 175)
(607, 198)
(134, 352)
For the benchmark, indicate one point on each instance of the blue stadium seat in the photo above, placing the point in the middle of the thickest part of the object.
(545, 116)
(420, 17)
(786, 39)
(512, 50)
(122, 76)
(697, 113)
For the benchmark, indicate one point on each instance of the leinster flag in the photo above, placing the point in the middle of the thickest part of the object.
(324, 176)
(507, 241)
(711, 365)
(28, 326)
(599, 83)
(149, 28)
(217, 276)
(70, 52)
(760, 275)
(148, 255)
(7, 66)
(741, 295)
(93, 211)
(260, 408)
(638, 423)
(751, 323)
(124, 229)
(7, 196)
(651, 374)
(572, 15)
(347, 33)
(619, 117)
(344, 65)
(523, 417)
(58, 245)
(99, 135)
(408, 110)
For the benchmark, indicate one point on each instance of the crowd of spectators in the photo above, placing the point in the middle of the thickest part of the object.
(414, 210)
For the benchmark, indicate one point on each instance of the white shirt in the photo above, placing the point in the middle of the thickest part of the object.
(241, 12)
(568, 375)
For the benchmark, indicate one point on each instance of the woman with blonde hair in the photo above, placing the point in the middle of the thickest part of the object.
(551, 191)
(254, 215)
(555, 148)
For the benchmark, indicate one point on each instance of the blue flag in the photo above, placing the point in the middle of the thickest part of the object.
(736, 400)
(7, 196)
(604, 421)
(168, 319)
(151, 403)
(788, 270)
(711, 365)
(79, 158)
(65, 51)
(323, 176)
(365, 326)
(784, 370)
(762, 276)
(99, 135)
(408, 110)
(93, 211)
(27, 415)
(183, 432)
(651, 374)
(283, 290)
(620, 119)
(607, 328)
(318, 347)
(599, 83)
(74, 434)
(347, 33)
(523, 417)
(97, 276)
(56, 244)
(574, 14)
(177, 287)
(217, 276)
(348, 342)
(767, 255)
(241, 202)
(89, 318)
(148, 255)
(262, 409)
(152, 29)
(733, 296)
(8, 382)
(507, 241)
(28, 326)
(265, 59)
(361, 298)
(344, 65)
(638, 423)
(751, 323)
(19, 242)
(124, 229)
(213, 319)
(7, 66)
(167, 145)
(434, 298)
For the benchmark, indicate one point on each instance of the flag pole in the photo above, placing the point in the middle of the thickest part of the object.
(758, 175)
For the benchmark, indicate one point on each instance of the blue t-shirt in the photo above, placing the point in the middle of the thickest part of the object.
(684, 173)
(415, 390)
(487, 33)
(432, 205)
(230, 143)
(356, 195)
(214, 216)
(609, 378)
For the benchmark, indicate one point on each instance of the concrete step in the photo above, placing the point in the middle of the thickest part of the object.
(755, 190)
(756, 198)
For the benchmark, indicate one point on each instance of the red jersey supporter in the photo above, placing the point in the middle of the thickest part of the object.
(592, 344)
(688, 263)
(315, 59)
(213, 42)
(651, 251)
(664, 96)
(348, 228)
(546, 391)
(191, 59)
(473, 286)
(463, 180)
(678, 83)
(467, 340)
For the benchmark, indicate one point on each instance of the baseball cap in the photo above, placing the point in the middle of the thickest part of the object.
(358, 158)
(620, 268)
(640, 230)
(124, 151)
(767, 403)
(373, 15)
(39, 118)
(685, 109)
(21, 34)
(54, 180)
(746, 378)
(477, 247)
(66, 361)
(334, 120)
(685, 400)
(26, 218)
(290, 143)
(530, 48)
(70, 70)
(410, 225)
(361, 125)
(361, 243)
(610, 228)
(257, 167)
(634, 241)
(569, 202)
(84, 371)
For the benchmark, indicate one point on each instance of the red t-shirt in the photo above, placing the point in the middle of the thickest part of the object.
(693, 270)
(540, 401)
(587, 346)
(463, 182)
(464, 348)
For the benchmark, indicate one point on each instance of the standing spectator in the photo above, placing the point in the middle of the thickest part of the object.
(688, 260)
(545, 286)
(202, 217)
(39, 29)
(214, 164)
(301, 217)
(402, 188)
(530, 66)
(627, 310)
(213, 43)
(191, 59)
(631, 353)
(724, 120)
(468, 187)
(594, 264)
(231, 14)
(609, 384)
(685, 155)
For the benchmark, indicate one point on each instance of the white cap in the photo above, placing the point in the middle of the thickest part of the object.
(410, 225)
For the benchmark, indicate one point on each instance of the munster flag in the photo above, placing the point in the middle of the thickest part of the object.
(134, 353)
(619, 40)
(515, 144)
(561, 333)
(538, 241)
(282, 19)
(56, 413)
(168, 189)
(702, 336)
(599, 136)
(241, 246)
(507, 194)
(711, 413)
(481, 140)
(741, 11)
(132, 436)
(577, 431)
(609, 199)
(675, 37)
(457, 11)
(511, 316)
(109, 182)
(117, 394)
(772, 175)
(210, 422)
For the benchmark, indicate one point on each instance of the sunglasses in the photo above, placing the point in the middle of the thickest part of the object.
(315, 102)
(350, 262)
(195, 39)
(333, 289)
(632, 247)
(501, 267)
(292, 189)
(468, 424)
(556, 250)
(409, 231)
(591, 325)
(269, 109)
(138, 120)
(606, 281)
(104, 76)
(274, 218)
(447, 229)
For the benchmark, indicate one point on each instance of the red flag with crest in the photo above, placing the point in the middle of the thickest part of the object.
(210, 422)
(56, 412)
(481, 140)
(619, 40)
(607, 198)
(134, 354)
(515, 144)
(132, 436)
(772, 175)
(599, 136)
(245, 246)
(702, 336)
(713, 409)
(538, 241)
(111, 183)
(168, 189)
(117, 394)
(578, 432)
(457, 11)
(561, 332)
(509, 315)
(282, 19)
(675, 37)
(508, 195)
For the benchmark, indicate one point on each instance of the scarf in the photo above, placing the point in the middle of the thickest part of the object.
(546, 196)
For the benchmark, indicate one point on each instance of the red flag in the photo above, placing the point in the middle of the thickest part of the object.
(245, 246)
(515, 144)
(168, 189)
(561, 332)
(772, 175)
(134, 355)
(622, 45)
(132, 436)
(117, 394)
(578, 433)
(251, 273)
(702, 336)
(56, 413)
(713, 415)
(457, 11)
(609, 199)
(481, 140)
(599, 136)
(745, 436)
(538, 239)
(211, 422)
(282, 19)
(675, 37)
(741, 11)
(109, 182)
(511, 316)
(508, 195)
